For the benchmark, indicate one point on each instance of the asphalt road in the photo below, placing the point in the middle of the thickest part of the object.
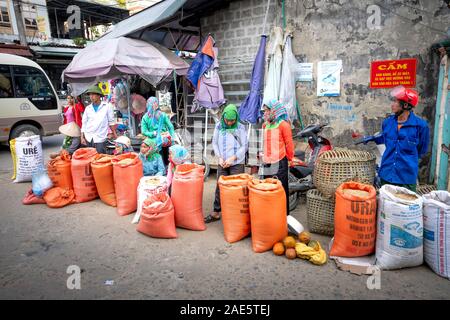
(38, 244)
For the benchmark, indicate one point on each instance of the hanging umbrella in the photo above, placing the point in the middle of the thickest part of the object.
(250, 109)
(202, 62)
(113, 58)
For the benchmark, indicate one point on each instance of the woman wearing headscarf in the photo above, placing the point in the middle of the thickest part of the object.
(230, 146)
(151, 160)
(177, 155)
(156, 125)
(278, 144)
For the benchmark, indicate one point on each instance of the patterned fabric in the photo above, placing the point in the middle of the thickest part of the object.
(277, 112)
(152, 113)
(178, 154)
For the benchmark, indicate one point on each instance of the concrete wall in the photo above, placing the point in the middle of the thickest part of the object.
(344, 30)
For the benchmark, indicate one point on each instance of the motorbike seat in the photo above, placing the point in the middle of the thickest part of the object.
(301, 172)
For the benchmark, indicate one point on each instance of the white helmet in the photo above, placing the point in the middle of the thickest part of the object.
(123, 140)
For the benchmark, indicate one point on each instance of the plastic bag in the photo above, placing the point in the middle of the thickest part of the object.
(41, 183)
(149, 186)
(158, 217)
(27, 157)
(400, 228)
(436, 233)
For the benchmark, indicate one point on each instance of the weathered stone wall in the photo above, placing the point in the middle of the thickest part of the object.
(339, 30)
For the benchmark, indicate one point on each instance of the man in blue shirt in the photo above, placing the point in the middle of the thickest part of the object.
(406, 137)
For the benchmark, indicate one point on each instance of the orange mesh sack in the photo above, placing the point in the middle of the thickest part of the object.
(235, 206)
(187, 196)
(59, 171)
(59, 197)
(128, 171)
(83, 180)
(267, 213)
(355, 218)
(158, 217)
(102, 169)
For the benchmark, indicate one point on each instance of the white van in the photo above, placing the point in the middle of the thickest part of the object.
(29, 104)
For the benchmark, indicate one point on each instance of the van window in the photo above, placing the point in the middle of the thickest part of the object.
(5, 82)
(31, 83)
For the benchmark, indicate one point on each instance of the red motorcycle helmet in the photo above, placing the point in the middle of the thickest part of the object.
(411, 97)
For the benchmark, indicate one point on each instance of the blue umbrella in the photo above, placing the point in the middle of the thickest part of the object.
(250, 109)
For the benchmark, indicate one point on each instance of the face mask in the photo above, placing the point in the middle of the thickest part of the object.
(269, 116)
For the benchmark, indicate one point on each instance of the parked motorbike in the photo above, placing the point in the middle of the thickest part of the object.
(302, 167)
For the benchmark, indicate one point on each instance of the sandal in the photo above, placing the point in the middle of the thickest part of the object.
(211, 218)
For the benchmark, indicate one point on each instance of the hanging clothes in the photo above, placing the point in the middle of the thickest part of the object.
(209, 93)
(272, 88)
(287, 86)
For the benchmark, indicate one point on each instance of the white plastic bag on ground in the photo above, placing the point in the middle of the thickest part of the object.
(148, 186)
(27, 157)
(436, 233)
(400, 229)
(41, 182)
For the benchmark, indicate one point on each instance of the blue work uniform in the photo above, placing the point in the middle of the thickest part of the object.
(404, 147)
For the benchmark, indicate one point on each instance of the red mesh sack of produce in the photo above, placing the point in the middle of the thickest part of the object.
(59, 171)
(127, 171)
(355, 218)
(267, 213)
(235, 206)
(59, 197)
(31, 198)
(83, 179)
(187, 196)
(102, 169)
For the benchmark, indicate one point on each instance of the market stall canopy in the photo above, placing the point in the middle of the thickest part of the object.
(174, 24)
(112, 58)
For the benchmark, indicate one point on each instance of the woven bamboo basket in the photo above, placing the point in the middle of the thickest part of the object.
(320, 212)
(425, 188)
(340, 165)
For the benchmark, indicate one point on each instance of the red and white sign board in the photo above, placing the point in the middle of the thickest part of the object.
(392, 73)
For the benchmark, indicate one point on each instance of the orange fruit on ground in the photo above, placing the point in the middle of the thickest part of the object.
(304, 237)
(278, 249)
(289, 242)
(290, 253)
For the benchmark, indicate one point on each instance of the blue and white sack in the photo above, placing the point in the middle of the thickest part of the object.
(436, 236)
(400, 228)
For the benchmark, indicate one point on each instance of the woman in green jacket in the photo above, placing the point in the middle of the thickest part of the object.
(156, 125)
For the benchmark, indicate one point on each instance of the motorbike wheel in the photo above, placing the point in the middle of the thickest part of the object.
(294, 199)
